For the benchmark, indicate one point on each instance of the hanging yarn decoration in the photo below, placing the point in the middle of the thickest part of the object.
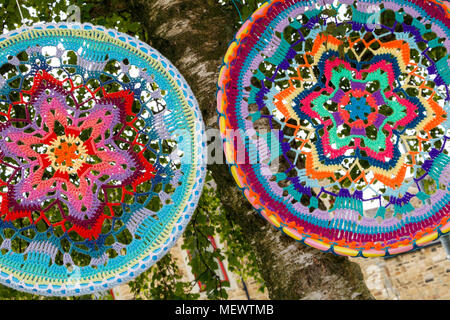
(102, 158)
(334, 118)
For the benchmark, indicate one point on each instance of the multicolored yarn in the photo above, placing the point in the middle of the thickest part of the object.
(358, 121)
(102, 158)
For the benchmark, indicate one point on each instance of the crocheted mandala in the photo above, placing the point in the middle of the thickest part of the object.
(334, 116)
(101, 158)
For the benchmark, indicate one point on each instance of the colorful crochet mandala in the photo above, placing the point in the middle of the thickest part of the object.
(334, 117)
(102, 158)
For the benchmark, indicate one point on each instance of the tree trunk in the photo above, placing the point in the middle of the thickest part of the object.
(194, 35)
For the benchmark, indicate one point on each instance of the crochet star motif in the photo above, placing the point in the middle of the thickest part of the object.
(354, 126)
(69, 156)
(342, 143)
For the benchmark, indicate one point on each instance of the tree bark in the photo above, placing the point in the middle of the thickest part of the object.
(194, 35)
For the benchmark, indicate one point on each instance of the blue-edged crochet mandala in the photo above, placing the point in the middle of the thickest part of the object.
(102, 158)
